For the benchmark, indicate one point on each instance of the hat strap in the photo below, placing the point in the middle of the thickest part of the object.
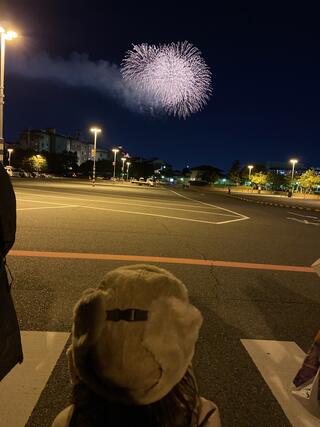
(129, 315)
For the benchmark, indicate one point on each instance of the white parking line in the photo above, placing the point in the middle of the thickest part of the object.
(278, 362)
(21, 388)
(117, 202)
(235, 215)
(47, 207)
(209, 204)
(157, 215)
(304, 216)
(41, 201)
(303, 221)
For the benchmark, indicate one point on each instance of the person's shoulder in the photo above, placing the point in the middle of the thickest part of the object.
(64, 417)
(209, 414)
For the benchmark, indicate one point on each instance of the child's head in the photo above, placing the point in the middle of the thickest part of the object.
(134, 337)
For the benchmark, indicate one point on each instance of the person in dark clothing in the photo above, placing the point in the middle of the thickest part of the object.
(10, 340)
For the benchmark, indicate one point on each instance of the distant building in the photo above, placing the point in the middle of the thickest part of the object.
(102, 154)
(285, 168)
(49, 140)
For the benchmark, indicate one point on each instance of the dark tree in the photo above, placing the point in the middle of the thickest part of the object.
(235, 172)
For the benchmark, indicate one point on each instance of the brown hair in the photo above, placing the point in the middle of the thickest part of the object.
(179, 408)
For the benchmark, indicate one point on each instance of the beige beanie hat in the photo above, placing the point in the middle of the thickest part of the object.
(133, 338)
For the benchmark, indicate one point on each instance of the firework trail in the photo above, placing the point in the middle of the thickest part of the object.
(171, 77)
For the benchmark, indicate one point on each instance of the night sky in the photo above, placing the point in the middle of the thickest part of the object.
(264, 59)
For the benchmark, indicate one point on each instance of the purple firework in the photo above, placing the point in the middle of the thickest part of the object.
(171, 77)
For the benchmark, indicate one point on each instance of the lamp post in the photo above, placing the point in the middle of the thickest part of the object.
(128, 165)
(115, 151)
(9, 159)
(95, 132)
(122, 169)
(250, 167)
(293, 162)
(4, 35)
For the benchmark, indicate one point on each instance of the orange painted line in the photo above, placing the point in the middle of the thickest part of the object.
(166, 260)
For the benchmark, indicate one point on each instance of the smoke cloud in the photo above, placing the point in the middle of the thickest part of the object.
(79, 71)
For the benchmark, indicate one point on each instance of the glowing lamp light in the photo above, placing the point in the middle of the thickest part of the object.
(293, 162)
(11, 35)
(95, 130)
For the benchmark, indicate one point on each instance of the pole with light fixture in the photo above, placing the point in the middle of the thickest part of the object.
(250, 167)
(4, 35)
(9, 155)
(95, 132)
(128, 166)
(293, 162)
(115, 151)
(122, 169)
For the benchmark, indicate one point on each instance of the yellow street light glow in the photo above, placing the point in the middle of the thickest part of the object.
(115, 151)
(95, 130)
(4, 36)
(293, 161)
(250, 166)
(123, 159)
(8, 35)
(11, 35)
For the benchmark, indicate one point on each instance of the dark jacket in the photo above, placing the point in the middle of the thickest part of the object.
(10, 341)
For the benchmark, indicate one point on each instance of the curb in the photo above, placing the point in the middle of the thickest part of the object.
(279, 205)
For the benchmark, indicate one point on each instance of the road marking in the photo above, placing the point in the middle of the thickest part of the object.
(304, 216)
(131, 204)
(106, 198)
(21, 388)
(41, 201)
(303, 221)
(278, 362)
(166, 260)
(209, 204)
(159, 215)
(47, 207)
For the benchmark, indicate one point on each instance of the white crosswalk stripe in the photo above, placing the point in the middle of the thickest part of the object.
(278, 362)
(21, 388)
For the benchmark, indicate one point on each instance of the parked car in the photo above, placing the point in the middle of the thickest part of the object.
(23, 173)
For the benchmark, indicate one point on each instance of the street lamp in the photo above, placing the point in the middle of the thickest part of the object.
(9, 159)
(122, 169)
(128, 165)
(95, 131)
(115, 151)
(250, 167)
(4, 35)
(294, 162)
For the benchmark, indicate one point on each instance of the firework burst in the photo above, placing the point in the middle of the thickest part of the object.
(171, 77)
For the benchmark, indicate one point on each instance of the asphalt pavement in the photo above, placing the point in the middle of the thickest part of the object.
(239, 261)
